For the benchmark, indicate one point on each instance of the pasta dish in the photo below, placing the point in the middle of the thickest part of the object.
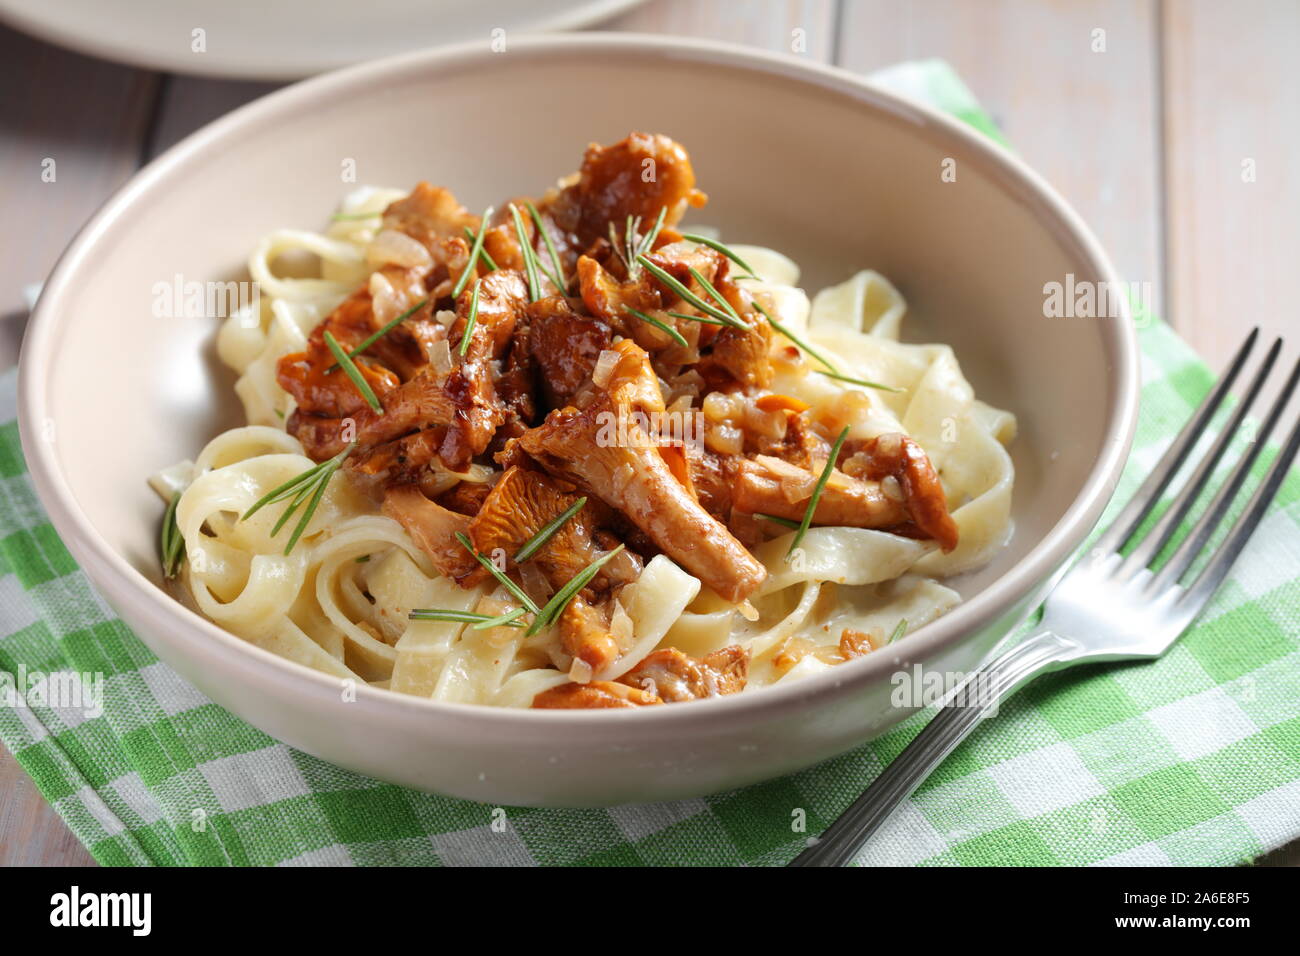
(571, 453)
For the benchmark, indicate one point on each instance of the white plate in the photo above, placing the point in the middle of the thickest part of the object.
(285, 39)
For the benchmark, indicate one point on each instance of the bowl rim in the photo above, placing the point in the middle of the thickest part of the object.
(170, 621)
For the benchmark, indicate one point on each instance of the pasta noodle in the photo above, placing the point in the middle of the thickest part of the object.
(339, 601)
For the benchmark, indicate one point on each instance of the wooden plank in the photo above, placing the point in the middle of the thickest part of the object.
(31, 833)
(783, 26)
(1087, 121)
(85, 115)
(188, 102)
(1232, 100)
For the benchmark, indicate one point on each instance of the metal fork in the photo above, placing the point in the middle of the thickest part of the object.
(1108, 606)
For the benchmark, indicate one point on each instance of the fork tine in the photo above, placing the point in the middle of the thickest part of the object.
(1208, 581)
(1191, 546)
(1144, 499)
(1167, 526)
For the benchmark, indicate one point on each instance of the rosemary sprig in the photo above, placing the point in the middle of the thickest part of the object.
(171, 542)
(560, 600)
(784, 522)
(625, 250)
(374, 337)
(724, 249)
(534, 544)
(708, 287)
(322, 482)
(279, 493)
(483, 253)
(684, 293)
(461, 617)
(662, 326)
(557, 276)
(350, 368)
(530, 257)
(817, 492)
(473, 255)
(899, 630)
(470, 321)
(504, 581)
(307, 491)
(502, 620)
(308, 487)
(856, 381)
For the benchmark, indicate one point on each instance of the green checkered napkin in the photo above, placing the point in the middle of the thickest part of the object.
(1193, 759)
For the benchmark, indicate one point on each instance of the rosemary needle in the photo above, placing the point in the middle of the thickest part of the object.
(311, 484)
(899, 630)
(470, 321)
(534, 544)
(668, 279)
(558, 276)
(648, 240)
(708, 287)
(817, 492)
(483, 253)
(784, 522)
(474, 251)
(856, 381)
(374, 337)
(724, 249)
(794, 338)
(497, 573)
(662, 326)
(462, 617)
(350, 368)
(172, 542)
(556, 605)
(696, 318)
(530, 257)
(502, 620)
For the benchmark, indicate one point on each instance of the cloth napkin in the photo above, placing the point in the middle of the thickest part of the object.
(1192, 759)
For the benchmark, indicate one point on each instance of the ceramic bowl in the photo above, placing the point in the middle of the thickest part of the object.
(809, 160)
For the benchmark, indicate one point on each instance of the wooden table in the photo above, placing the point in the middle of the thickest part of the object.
(1144, 113)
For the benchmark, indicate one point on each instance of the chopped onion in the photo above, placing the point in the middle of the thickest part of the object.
(580, 672)
(718, 407)
(621, 626)
(724, 439)
(892, 489)
(534, 583)
(387, 302)
(397, 248)
(605, 366)
(440, 357)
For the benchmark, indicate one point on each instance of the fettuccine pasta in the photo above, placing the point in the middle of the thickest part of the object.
(340, 599)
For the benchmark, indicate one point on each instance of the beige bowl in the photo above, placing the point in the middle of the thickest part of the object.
(806, 159)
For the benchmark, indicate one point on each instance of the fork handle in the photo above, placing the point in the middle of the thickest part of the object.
(956, 717)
